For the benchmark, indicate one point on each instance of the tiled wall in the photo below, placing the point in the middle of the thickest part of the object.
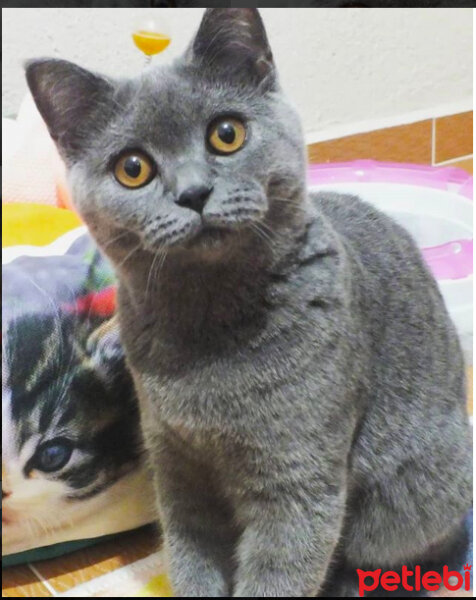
(441, 141)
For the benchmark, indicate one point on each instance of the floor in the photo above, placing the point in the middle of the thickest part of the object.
(52, 577)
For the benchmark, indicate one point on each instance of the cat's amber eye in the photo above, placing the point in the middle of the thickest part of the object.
(226, 135)
(134, 170)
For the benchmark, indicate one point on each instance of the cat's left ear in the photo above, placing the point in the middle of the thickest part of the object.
(72, 101)
(231, 43)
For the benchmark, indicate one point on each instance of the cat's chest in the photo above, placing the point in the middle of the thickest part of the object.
(207, 392)
(201, 413)
(208, 382)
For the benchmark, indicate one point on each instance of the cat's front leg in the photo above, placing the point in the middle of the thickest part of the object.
(287, 544)
(198, 535)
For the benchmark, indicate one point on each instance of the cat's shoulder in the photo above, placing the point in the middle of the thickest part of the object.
(353, 217)
(346, 207)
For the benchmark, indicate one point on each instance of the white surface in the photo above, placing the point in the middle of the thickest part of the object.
(432, 217)
(338, 66)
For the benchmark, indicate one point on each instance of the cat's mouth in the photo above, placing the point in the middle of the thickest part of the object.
(209, 237)
(213, 233)
(198, 234)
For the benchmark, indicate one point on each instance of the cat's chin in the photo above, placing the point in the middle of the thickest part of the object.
(205, 237)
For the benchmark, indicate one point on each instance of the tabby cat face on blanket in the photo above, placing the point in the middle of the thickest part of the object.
(300, 383)
(69, 425)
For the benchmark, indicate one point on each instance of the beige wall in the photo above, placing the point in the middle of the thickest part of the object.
(347, 70)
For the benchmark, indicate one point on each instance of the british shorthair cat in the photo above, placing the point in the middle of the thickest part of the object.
(300, 383)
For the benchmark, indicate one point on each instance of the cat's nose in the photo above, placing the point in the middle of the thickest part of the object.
(194, 197)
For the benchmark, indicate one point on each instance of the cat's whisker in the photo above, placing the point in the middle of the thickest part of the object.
(253, 227)
(286, 199)
(36, 525)
(31, 528)
(261, 234)
(161, 264)
(149, 277)
(115, 239)
(266, 227)
(295, 205)
(266, 231)
(129, 255)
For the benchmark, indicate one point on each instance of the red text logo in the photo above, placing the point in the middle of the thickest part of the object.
(414, 581)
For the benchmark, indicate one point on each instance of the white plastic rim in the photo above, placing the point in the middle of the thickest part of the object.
(432, 217)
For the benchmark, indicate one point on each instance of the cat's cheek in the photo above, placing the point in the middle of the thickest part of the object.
(29, 513)
(31, 501)
(33, 493)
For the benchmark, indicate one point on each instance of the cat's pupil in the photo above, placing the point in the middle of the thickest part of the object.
(226, 132)
(53, 456)
(132, 166)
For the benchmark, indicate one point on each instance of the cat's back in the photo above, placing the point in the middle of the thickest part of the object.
(415, 344)
(415, 426)
(395, 290)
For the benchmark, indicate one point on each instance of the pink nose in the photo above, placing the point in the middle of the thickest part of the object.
(7, 516)
(6, 491)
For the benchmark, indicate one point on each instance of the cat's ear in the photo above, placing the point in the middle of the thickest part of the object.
(70, 99)
(105, 350)
(232, 43)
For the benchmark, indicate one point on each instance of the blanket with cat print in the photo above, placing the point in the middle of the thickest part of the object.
(72, 456)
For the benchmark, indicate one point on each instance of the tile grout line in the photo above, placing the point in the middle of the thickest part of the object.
(453, 160)
(332, 132)
(433, 141)
(47, 585)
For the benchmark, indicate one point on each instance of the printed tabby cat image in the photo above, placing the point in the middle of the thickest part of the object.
(68, 425)
(300, 383)
(71, 444)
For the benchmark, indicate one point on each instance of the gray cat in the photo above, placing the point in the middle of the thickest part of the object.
(301, 386)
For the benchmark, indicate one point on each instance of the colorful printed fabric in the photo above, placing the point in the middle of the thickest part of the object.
(72, 465)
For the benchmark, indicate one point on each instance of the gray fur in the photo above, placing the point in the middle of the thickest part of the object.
(301, 385)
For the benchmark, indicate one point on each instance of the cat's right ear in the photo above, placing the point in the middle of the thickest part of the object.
(70, 99)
